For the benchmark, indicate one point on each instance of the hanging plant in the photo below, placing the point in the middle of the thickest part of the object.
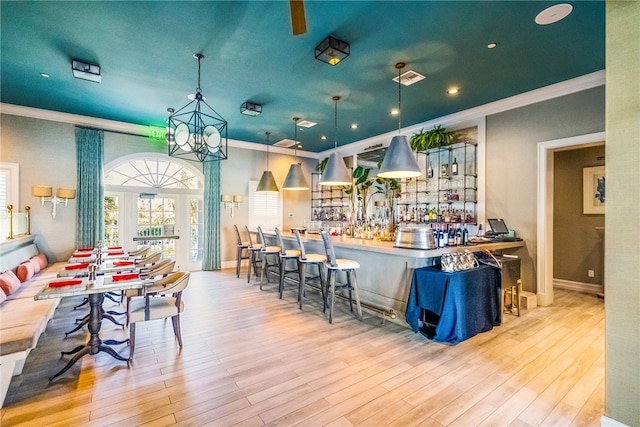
(322, 164)
(434, 138)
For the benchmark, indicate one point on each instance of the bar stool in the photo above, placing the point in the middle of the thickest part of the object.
(266, 252)
(333, 266)
(309, 259)
(254, 259)
(243, 252)
(286, 255)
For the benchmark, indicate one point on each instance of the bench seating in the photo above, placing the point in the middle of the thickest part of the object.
(22, 319)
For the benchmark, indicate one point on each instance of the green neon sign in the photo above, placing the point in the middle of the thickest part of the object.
(157, 132)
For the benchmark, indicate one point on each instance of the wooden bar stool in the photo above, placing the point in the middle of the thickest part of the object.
(286, 255)
(254, 258)
(243, 250)
(309, 259)
(333, 266)
(270, 257)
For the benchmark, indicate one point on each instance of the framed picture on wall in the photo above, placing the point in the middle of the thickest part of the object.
(593, 190)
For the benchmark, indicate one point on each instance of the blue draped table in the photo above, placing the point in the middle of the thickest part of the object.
(462, 304)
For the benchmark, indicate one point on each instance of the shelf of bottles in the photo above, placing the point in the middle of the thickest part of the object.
(328, 203)
(446, 193)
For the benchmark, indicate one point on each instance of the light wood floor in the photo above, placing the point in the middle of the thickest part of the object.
(250, 359)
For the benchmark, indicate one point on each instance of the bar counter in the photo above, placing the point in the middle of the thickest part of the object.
(385, 273)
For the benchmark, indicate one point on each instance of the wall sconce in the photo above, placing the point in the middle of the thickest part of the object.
(231, 202)
(46, 195)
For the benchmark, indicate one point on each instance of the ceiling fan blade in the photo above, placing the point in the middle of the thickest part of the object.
(298, 21)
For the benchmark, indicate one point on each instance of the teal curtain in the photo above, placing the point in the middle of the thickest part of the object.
(90, 195)
(211, 252)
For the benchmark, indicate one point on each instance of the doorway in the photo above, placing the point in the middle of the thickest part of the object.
(545, 205)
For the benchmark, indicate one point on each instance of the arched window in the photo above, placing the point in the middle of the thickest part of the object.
(153, 200)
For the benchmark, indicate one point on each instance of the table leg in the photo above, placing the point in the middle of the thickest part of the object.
(95, 344)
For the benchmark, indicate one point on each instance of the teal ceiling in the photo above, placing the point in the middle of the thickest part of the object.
(145, 50)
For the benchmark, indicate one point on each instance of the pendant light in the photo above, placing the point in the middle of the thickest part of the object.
(335, 172)
(295, 179)
(267, 183)
(399, 160)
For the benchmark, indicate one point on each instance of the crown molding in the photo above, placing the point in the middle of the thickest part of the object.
(457, 120)
(471, 116)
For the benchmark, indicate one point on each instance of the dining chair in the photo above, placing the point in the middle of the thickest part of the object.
(141, 252)
(156, 271)
(334, 265)
(284, 256)
(242, 250)
(162, 299)
(148, 260)
(270, 257)
(304, 260)
(254, 255)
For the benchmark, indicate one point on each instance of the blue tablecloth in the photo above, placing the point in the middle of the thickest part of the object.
(467, 302)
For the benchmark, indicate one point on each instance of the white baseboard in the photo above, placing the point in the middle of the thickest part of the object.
(570, 285)
(610, 422)
(232, 264)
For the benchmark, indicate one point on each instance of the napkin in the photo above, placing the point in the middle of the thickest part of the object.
(123, 277)
(81, 255)
(114, 247)
(115, 253)
(59, 283)
(84, 249)
(121, 263)
(77, 266)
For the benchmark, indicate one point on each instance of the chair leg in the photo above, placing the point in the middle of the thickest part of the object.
(323, 281)
(302, 272)
(355, 290)
(132, 339)
(283, 266)
(325, 299)
(238, 262)
(349, 288)
(332, 292)
(175, 321)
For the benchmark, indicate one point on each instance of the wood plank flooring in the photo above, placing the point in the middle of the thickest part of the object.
(251, 359)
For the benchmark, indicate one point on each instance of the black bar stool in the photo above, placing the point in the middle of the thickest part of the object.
(243, 250)
(270, 257)
(287, 255)
(309, 259)
(254, 259)
(333, 266)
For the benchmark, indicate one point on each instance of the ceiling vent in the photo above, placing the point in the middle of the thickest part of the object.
(86, 71)
(306, 124)
(408, 78)
(285, 143)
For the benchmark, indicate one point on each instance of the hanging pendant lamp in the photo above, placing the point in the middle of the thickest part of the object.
(336, 172)
(295, 179)
(399, 160)
(267, 183)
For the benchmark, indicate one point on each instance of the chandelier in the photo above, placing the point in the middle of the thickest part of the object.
(196, 131)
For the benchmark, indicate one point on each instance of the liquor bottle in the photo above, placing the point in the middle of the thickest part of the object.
(465, 236)
(429, 171)
(454, 167)
(458, 236)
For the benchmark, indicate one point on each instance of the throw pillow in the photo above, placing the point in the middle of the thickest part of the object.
(9, 282)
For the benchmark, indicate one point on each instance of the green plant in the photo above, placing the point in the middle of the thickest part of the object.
(427, 139)
(321, 165)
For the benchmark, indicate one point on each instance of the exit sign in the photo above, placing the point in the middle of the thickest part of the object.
(157, 133)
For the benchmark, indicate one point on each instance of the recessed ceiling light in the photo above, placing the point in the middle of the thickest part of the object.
(553, 14)
(45, 75)
(453, 91)
(354, 126)
(395, 112)
(323, 137)
(492, 45)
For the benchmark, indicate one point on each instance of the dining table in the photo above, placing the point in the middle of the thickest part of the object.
(95, 291)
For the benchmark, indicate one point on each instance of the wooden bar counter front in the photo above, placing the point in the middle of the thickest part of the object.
(385, 273)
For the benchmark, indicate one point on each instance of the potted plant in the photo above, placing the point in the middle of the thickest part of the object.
(434, 138)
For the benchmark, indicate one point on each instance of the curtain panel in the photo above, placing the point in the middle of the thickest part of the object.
(90, 196)
(211, 250)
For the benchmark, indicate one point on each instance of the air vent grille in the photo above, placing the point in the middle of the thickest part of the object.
(408, 78)
(285, 143)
